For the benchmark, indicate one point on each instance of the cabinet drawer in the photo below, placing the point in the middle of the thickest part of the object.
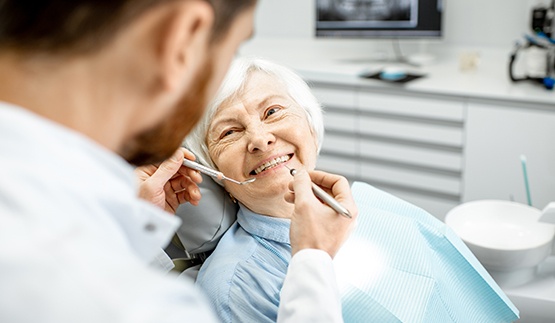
(334, 120)
(412, 106)
(410, 155)
(334, 97)
(340, 144)
(411, 131)
(338, 165)
(427, 183)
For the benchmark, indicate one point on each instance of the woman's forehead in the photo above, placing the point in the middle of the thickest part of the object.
(260, 85)
(259, 91)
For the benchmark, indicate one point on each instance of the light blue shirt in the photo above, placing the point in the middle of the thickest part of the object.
(244, 275)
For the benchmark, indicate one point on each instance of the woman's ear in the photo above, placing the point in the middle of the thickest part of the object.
(184, 39)
(316, 141)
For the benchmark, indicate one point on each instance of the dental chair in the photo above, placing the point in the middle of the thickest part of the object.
(202, 227)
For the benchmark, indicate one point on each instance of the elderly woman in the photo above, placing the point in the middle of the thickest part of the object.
(398, 266)
(271, 123)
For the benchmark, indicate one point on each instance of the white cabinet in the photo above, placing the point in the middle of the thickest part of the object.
(437, 151)
(411, 145)
(497, 134)
(408, 145)
(340, 148)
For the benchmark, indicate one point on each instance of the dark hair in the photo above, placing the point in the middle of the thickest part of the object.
(225, 11)
(83, 26)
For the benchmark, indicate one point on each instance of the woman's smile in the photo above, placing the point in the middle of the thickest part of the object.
(271, 164)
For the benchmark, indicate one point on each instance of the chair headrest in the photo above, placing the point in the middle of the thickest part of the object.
(203, 225)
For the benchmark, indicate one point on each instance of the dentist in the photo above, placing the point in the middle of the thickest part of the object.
(86, 89)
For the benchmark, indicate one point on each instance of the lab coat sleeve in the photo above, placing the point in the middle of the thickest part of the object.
(309, 292)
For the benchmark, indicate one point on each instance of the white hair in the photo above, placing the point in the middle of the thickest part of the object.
(235, 81)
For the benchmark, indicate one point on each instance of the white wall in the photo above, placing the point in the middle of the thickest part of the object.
(467, 23)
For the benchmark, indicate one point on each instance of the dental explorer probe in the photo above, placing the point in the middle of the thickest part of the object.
(212, 172)
(325, 197)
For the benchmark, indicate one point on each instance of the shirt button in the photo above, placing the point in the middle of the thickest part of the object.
(150, 227)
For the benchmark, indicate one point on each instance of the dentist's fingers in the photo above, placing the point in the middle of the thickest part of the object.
(169, 184)
(168, 168)
(186, 189)
(188, 172)
(315, 225)
(337, 186)
(175, 198)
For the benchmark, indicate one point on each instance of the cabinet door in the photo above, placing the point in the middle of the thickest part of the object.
(496, 137)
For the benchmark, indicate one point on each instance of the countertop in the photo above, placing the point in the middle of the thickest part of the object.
(536, 299)
(324, 62)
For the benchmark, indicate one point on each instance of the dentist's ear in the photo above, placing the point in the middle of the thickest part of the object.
(184, 39)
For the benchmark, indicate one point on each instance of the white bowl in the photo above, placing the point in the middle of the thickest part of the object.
(506, 237)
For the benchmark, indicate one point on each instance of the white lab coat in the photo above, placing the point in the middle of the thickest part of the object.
(75, 241)
(309, 293)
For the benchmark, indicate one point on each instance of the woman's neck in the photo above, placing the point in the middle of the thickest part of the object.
(277, 208)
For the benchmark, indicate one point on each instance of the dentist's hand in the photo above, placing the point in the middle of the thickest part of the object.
(315, 225)
(170, 184)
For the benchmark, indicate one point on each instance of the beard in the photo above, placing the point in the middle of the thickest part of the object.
(160, 142)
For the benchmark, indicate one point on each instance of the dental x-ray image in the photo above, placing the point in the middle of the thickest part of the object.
(386, 13)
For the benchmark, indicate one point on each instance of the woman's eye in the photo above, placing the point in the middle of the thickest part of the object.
(271, 111)
(227, 133)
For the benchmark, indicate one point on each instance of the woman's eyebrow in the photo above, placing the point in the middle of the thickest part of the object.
(264, 102)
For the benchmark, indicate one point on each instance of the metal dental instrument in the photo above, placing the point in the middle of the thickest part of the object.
(212, 172)
(325, 197)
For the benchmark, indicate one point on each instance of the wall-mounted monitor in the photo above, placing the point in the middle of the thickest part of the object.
(379, 18)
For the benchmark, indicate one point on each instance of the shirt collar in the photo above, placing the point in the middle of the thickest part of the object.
(266, 227)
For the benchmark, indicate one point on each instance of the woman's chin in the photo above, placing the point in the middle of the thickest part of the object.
(268, 190)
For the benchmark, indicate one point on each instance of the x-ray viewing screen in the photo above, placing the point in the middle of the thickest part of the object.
(378, 18)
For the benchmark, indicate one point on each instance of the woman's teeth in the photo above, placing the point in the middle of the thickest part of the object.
(272, 163)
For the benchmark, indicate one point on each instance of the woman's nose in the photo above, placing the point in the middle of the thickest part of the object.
(260, 140)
